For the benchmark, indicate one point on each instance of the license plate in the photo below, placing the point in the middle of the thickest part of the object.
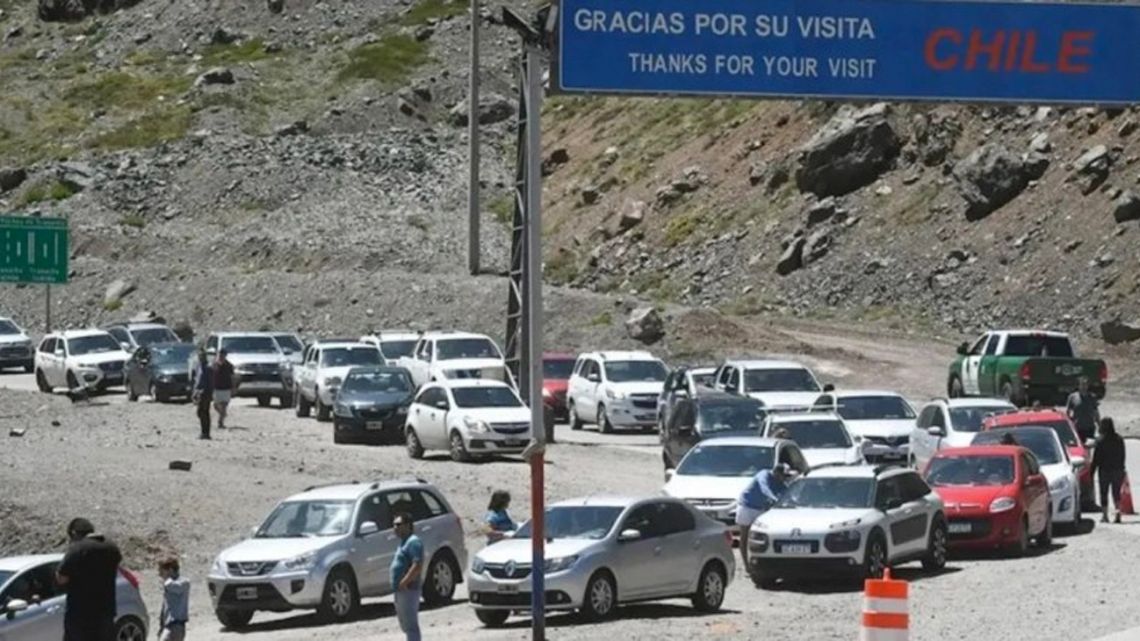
(247, 594)
(646, 417)
(374, 425)
(508, 589)
(796, 548)
(513, 442)
(260, 385)
(959, 528)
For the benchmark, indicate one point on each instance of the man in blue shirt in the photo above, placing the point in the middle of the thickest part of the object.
(762, 492)
(407, 566)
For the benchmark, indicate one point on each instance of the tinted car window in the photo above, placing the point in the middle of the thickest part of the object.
(779, 380)
(828, 492)
(485, 397)
(1042, 442)
(629, 371)
(375, 509)
(1044, 346)
(647, 519)
(970, 470)
(350, 356)
(410, 501)
(729, 417)
(819, 434)
(557, 368)
(576, 522)
(377, 381)
(6, 328)
(888, 490)
(153, 335)
(397, 349)
(466, 348)
(727, 460)
(864, 408)
(677, 518)
(913, 487)
(96, 344)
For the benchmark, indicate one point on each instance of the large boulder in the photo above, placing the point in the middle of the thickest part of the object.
(849, 152)
(645, 325)
(792, 258)
(493, 109)
(631, 215)
(1116, 331)
(988, 178)
(1091, 169)
(184, 330)
(1126, 207)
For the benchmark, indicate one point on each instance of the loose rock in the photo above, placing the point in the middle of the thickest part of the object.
(117, 291)
(1126, 207)
(1115, 332)
(849, 152)
(215, 76)
(12, 177)
(631, 215)
(792, 258)
(1091, 169)
(988, 178)
(181, 466)
(493, 109)
(645, 325)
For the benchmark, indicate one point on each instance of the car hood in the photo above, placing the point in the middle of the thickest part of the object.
(813, 520)
(14, 339)
(706, 487)
(374, 398)
(498, 414)
(884, 428)
(825, 456)
(335, 372)
(518, 550)
(971, 498)
(787, 400)
(958, 439)
(105, 357)
(468, 363)
(251, 550)
(237, 360)
(170, 369)
(638, 387)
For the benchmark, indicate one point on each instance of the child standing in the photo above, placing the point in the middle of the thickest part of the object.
(498, 523)
(175, 601)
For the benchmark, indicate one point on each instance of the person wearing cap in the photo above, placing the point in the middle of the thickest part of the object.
(88, 573)
(222, 376)
(405, 571)
(762, 492)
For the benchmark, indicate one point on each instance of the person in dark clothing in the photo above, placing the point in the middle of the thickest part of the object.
(222, 376)
(1083, 409)
(1108, 459)
(203, 393)
(88, 573)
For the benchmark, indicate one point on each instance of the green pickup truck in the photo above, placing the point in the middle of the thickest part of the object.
(1023, 366)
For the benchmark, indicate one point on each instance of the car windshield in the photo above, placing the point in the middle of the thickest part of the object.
(727, 460)
(970, 470)
(1041, 442)
(178, 354)
(249, 345)
(747, 416)
(305, 519)
(969, 419)
(558, 369)
(397, 349)
(5, 575)
(97, 344)
(821, 434)
(705, 380)
(377, 381)
(152, 335)
(8, 327)
(350, 356)
(485, 397)
(289, 342)
(634, 371)
(871, 408)
(576, 522)
(829, 492)
(455, 348)
(796, 379)
(1047, 346)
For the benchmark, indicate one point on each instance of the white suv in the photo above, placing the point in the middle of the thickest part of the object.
(954, 422)
(848, 521)
(330, 546)
(75, 359)
(468, 418)
(16, 348)
(884, 420)
(455, 355)
(323, 368)
(823, 437)
(779, 385)
(615, 389)
(393, 345)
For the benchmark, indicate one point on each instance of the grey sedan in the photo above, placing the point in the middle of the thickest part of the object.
(31, 604)
(604, 551)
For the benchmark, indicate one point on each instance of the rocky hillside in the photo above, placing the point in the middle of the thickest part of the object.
(302, 164)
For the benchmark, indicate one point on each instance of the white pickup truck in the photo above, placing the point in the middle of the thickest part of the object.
(455, 355)
(323, 368)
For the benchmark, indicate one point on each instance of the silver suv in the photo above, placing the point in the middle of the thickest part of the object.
(329, 546)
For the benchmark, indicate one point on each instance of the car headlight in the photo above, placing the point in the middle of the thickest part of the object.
(559, 564)
(303, 562)
(342, 410)
(477, 566)
(218, 567)
(759, 525)
(614, 396)
(843, 541)
(165, 378)
(1002, 504)
(846, 524)
(1060, 484)
(546, 393)
(403, 409)
(476, 426)
(331, 381)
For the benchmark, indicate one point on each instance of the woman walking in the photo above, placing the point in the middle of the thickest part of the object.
(1108, 459)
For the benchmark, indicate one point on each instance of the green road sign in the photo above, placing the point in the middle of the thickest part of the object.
(33, 250)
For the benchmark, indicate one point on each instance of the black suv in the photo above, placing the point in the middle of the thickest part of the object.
(708, 415)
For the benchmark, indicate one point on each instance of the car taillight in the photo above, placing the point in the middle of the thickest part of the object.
(131, 577)
(1024, 371)
(1103, 372)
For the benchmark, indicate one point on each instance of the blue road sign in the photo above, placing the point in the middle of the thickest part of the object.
(862, 49)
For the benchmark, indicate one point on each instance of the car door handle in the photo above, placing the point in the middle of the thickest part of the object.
(391, 537)
(657, 551)
(426, 528)
(697, 544)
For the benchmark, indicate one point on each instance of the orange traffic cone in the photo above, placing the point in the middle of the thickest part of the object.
(886, 614)
(1126, 497)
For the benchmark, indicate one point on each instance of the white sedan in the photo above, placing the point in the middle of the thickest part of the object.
(1059, 470)
(823, 437)
(468, 418)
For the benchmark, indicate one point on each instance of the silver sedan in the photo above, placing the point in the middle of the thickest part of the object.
(601, 552)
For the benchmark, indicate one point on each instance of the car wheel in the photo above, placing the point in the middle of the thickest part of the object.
(936, 548)
(234, 619)
(606, 426)
(439, 585)
(41, 382)
(1009, 395)
(875, 557)
(130, 629)
(601, 597)
(412, 442)
(458, 449)
(286, 401)
(493, 618)
(339, 600)
(1022, 545)
(302, 407)
(323, 412)
(158, 396)
(264, 401)
(665, 461)
(1045, 539)
(575, 422)
(72, 382)
(710, 588)
(954, 388)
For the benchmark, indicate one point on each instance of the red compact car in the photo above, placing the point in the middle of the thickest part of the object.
(995, 496)
(1066, 431)
(556, 370)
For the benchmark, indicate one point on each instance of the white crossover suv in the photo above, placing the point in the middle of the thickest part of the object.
(327, 547)
(439, 356)
(468, 418)
(953, 422)
(884, 420)
(16, 349)
(615, 389)
(849, 522)
(78, 359)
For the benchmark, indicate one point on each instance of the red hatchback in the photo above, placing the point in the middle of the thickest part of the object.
(1066, 431)
(995, 496)
(556, 370)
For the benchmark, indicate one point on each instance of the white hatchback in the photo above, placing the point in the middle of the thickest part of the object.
(468, 418)
(615, 389)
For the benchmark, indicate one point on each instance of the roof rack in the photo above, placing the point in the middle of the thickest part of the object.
(404, 479)
(320, 485)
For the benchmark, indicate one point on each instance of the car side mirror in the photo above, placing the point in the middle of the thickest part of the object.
(629, 535)
(15, 606)
(963, 349)
(684, 429)
(441, 405)
(368, 528)
(593, 378)
(58, 352)
(829, 388)
(253, 531)
(935, 430)
(211, 352)
(1090, 443)
(1034, 479)
(669, 475)
(287, 352)
(125, 346)
(1078, 462)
